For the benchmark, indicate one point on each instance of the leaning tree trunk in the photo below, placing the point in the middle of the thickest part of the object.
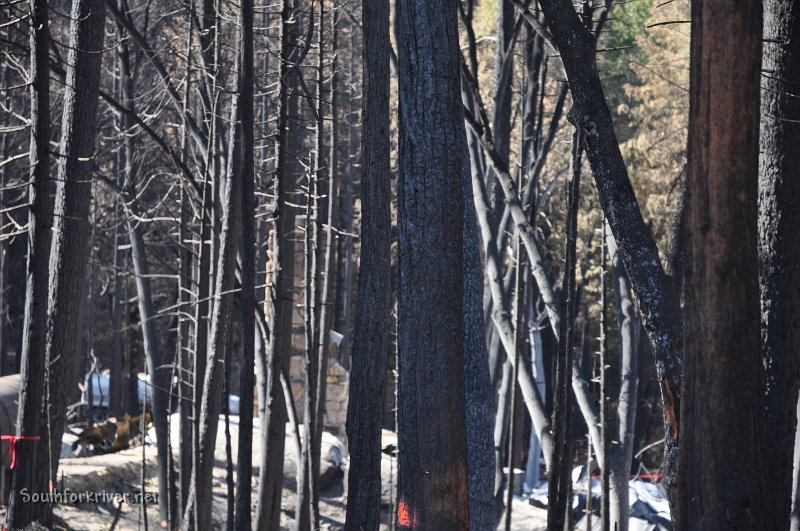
(660, 305)
(32, 409)
(720, 441)
(433, 486)
(147, 315)
(373, 305)
(159, 375)
(779, 243)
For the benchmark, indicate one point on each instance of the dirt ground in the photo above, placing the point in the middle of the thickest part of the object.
(122, 472)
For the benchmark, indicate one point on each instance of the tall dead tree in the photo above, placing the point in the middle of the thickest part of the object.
(433, 483)
(560, 486)
(326, 169)
(308, 469)
(281, 300)
(621, 455)
(373, 305)
(659, 304)
(779, 245)
(159, 375)
(200, 498)
(183, 357)
(69, 251)
(247, 252)
(32, 409)
(720, 440)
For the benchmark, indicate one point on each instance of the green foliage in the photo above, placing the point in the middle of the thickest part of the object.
(621, 40)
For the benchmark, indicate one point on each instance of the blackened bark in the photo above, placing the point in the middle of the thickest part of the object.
(433, 486)
(373, 304)
(658, 303)
(559, 492)
(281, 297)
(478, 399)
(69, 251)
(247, 252)
(720, 442)
(200, 503)
(32, 409)
(779, 242)
(794, 518)
(501, 319)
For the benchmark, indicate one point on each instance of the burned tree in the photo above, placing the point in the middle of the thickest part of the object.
(32, 409)
(433, 488)
(779, 245)
(373, 307)
(720, 441)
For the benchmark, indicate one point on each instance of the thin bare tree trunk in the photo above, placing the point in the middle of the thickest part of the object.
(605, 393)
(561, 463)
(201, 499)
(629, 326)
(244, 470)
(32, 410)
(281, 296)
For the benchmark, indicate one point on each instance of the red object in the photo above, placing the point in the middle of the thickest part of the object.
(12, 445)
(404, 516)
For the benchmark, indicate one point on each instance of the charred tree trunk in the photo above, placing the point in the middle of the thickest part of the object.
(69, 252)
(779, 242)
(478, 400)
(659, 304)
(33, 411)
(373, 305)
(720, 442)
(201, 499)
(433, 486)
(560, 486)
(281, 297)
(244, 470)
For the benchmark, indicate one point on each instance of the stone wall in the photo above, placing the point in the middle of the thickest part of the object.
(336, 395)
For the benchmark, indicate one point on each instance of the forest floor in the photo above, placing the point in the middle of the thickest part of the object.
(122, 472)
